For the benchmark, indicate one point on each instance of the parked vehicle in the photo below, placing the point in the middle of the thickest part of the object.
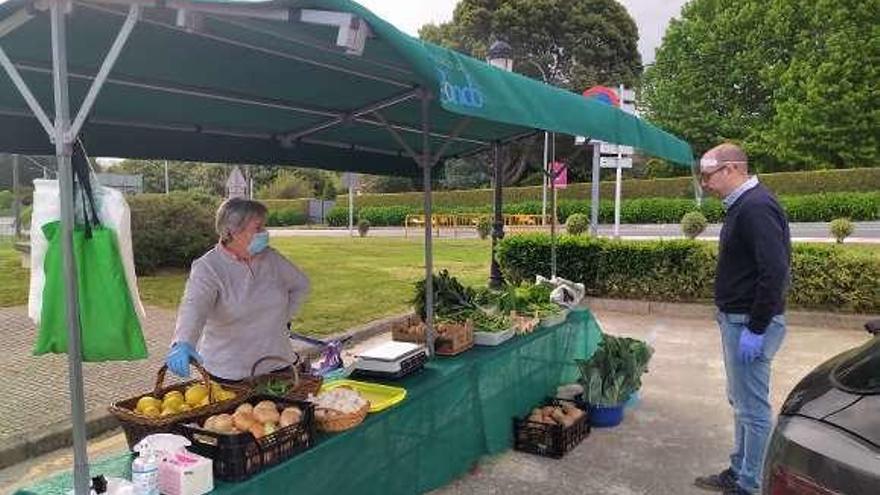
(827, 438)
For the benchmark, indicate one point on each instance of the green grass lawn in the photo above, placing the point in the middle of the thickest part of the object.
(354, 280)
(14, 280)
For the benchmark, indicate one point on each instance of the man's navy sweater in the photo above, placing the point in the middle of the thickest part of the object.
(754, 258)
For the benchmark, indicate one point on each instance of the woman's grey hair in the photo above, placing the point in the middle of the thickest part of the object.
(234, 215)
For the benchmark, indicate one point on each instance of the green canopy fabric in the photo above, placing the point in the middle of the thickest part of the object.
(250, 82)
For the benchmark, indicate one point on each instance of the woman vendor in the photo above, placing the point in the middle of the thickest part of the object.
(239, 298)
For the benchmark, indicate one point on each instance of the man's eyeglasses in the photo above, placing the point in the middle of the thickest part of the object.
(706, 176)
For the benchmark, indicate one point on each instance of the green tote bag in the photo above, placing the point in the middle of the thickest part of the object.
(110, 328)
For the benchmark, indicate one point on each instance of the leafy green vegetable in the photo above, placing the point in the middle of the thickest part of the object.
(450, 297)
(273, 387)
(615, 370)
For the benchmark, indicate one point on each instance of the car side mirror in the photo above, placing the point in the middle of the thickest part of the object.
(873, 327)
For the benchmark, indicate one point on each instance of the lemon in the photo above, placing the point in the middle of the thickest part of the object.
(224, 395)
(151, 411)
(196, 394)
(172, 402)
(173, 393)
(184, 407)
(147, 401)
(167, 412)
(216, 388)
(204, 402)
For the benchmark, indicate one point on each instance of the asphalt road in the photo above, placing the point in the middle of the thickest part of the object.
(868, 232)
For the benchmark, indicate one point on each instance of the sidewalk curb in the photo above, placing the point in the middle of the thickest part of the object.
(59, 435)
(842, 321)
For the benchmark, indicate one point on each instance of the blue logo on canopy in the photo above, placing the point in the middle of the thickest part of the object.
(468, 95)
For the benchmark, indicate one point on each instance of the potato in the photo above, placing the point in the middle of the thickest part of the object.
(266, 415)
(257, 430)
(290, 416)
(243, 420)
(245, 408)
(266, 404)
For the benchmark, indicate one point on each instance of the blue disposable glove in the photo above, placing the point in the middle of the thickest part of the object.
(178, 358)
(750, 345)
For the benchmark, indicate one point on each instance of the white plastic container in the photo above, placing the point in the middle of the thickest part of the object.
(493, 338)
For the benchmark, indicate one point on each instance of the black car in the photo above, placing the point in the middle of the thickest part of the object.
(827, 439)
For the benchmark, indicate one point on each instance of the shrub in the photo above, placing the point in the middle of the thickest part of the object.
(286, 186)
(338, 216)
(169, 231)
(841, 228)
(825, 207)
(577, 224)
(363, 227)
(782, 184)
(389, 215)
(693, 224)
(6, 198)
(484, 227)
(684, 270)
(285, 217)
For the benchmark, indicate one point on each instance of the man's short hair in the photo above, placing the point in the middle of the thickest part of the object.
(724, 154)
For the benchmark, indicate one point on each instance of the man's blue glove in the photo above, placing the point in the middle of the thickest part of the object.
(178, 358)
(750, 345)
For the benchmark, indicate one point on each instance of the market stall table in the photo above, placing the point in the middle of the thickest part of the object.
(456, 411)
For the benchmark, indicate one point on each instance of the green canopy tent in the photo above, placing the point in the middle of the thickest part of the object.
(311, 83)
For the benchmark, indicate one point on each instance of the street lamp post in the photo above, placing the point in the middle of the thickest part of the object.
(545, 174)
(500, 55)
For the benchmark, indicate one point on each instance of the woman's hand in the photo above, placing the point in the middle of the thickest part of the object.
(179, 356)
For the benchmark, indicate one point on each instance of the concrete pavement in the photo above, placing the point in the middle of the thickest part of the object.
(35, 398)
(681, 428)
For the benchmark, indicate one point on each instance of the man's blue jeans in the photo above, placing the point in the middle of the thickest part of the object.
(748, 391)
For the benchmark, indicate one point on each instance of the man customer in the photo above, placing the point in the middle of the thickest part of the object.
(751, 281)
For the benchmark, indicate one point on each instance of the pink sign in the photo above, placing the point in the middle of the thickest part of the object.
(560, 172)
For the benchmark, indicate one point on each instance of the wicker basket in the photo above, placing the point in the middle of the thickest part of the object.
(299, 384)
(137, 426)
(452, 338)
(339, 421)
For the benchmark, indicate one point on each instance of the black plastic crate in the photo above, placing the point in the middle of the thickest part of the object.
(410, 365)
(238, 457)
(549, 440)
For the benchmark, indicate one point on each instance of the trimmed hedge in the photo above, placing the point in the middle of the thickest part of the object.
(170, 230)
(822, 277)
(783, 184)
(814, 208)
(286, 216)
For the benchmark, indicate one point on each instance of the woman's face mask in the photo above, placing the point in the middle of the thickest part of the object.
(259, 243)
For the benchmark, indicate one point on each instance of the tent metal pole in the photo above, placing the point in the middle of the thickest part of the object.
(594, 198)
(32, 102)
(109, 61)
(496, 280)
(429, 252)
(63, 151)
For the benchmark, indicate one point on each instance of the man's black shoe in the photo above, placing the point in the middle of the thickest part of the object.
(721, 482)
(736, 490)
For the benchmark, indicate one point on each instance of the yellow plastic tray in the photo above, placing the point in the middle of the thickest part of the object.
(381, 397)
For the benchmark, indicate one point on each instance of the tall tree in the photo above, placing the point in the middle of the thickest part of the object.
(573, 44)
(795, 83)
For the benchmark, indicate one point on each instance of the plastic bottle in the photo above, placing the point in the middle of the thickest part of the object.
(145, 473)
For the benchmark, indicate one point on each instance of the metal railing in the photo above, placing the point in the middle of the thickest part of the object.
(468, 222)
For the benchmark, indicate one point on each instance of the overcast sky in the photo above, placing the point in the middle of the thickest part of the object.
(651, 16)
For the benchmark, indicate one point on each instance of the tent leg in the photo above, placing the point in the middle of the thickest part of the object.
(594, 199)
(429, 252)
(65, 179)
(496, 280)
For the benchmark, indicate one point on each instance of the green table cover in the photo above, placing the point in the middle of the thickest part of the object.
(456, 411)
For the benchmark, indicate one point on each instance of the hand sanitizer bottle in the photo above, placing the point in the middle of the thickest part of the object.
(145, 473)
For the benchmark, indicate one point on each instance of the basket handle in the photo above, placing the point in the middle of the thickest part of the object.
(279, 359)
(206, 378)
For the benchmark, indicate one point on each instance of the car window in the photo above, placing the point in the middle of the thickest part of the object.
(860, 373)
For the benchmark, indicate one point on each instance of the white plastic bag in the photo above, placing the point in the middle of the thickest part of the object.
(113, 213)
